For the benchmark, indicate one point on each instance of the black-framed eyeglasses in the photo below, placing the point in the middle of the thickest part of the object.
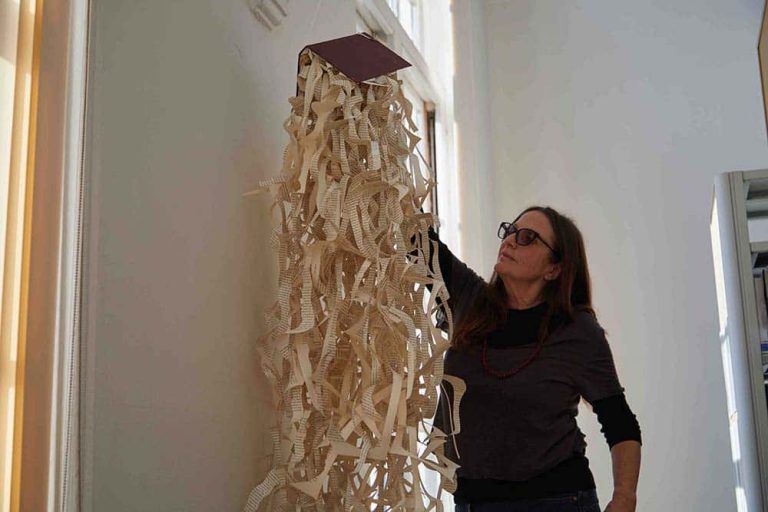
(523, 236)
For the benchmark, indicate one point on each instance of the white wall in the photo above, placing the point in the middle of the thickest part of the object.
(187, 101)
(473, 118)
(616, 113)
(619, 114)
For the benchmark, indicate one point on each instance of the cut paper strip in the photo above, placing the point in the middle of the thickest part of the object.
(350, 349)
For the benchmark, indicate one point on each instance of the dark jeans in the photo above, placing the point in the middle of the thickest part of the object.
(581, 501)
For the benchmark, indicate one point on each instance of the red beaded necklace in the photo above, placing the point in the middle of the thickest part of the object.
(513, 372)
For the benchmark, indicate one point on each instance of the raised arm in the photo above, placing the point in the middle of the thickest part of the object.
(461, 281)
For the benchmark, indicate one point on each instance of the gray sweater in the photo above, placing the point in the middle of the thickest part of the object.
(519, 427)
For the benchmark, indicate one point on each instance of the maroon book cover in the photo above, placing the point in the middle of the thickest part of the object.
(359, 56)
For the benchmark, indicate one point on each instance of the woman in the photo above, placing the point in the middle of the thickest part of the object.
(529, 347)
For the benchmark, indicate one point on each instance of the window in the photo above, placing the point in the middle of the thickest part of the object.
(38, 246)
(397, 23)
(424, 117)
(408, 13)
(16, 106)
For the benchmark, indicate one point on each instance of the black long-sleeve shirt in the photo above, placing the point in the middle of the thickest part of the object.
(570, 474)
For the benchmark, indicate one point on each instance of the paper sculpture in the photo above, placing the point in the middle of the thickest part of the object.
(351, 351)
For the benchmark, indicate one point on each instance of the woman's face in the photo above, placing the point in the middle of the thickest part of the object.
(531, 262)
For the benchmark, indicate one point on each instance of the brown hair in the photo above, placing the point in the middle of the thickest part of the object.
(569, 293)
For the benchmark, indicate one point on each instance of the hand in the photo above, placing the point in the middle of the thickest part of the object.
(622, 501)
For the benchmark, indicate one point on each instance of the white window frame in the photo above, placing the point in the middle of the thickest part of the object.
(45, 458)
(65, 471)
(379, 18)
(378, 15)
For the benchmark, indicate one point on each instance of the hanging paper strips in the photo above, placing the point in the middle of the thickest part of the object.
(351, 349)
